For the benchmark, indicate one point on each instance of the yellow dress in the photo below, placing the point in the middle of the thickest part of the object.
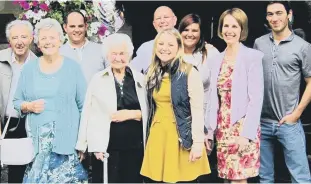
(165, 159)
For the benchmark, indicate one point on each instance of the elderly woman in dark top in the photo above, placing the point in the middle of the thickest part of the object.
(115, 113)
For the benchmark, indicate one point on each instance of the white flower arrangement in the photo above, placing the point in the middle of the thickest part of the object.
(102, 17)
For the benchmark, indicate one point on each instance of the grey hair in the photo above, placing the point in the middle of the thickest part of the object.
(15, 23)
(115, 40)
(48, 23)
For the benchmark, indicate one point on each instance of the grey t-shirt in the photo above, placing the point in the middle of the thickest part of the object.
(284, 65)
(89, 56)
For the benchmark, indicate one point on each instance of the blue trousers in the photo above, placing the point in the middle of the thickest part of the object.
(292, 138)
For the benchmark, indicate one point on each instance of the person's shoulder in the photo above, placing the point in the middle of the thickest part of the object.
(71, 63)
(100, 74)
(253, 52)
(263, 38)
(30, 65)
(5, 51)
(147, 44)
(5, 54)
(138, 76)
(301, 41)
(212, 51)
(65, 46)
(187, 67)
(134, 71)
(94, 44)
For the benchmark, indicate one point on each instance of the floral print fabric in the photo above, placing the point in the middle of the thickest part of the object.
(233, 163)
(50, 167)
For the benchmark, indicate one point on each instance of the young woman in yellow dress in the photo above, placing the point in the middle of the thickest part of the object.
(175, 131)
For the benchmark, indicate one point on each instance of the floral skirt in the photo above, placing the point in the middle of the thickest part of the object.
(50, 167)
(233, 163)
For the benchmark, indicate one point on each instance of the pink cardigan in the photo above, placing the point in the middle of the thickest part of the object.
(247, 91)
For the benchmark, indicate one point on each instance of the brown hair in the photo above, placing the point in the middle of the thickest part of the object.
(191, 19)
(241, 18)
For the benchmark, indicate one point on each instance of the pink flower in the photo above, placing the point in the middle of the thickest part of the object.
(228, 99)
(231, 174)
(236, 132)
(228, 122)
(230, 70)
(233, 148)
(221, 160)
(221, 175)
(35, 3)
(219, 117)
(239, 173)
(44, 7)
(25, 5)
(246, 161)
(15, 2)
(101, 30)
(257, 165)
(228, 84)
(219, 134)
(24, 17)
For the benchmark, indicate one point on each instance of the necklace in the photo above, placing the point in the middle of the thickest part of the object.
(120, 84)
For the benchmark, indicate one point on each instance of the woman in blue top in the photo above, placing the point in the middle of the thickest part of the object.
(51, 93)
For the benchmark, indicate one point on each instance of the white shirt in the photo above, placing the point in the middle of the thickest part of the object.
(194, 59)
(143, 57)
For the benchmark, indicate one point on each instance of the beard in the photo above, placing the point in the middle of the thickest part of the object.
(280, 29)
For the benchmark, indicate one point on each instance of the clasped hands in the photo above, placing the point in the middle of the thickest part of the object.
(241, 141)
(36, 106)
(123, 115)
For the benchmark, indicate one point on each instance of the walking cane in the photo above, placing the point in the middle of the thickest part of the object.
(105, 169)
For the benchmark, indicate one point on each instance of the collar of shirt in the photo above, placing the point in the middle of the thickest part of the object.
(128, 72)
(84, 45)
(288, 39)
(13, 59)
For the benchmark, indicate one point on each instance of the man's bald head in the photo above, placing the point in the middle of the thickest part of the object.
(164, 18)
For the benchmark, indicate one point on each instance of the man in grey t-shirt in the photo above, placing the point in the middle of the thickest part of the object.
(87, 53)
(287, 59)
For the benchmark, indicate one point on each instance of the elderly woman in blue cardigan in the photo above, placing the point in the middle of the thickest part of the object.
(51, 94)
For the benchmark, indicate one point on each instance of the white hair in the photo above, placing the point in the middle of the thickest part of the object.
(117, 39)
(48, 23)
(16, 23)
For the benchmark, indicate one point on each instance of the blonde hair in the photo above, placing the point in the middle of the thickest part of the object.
(241, 18)
(156, 62)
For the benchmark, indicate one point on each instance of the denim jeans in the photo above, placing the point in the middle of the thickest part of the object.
(292, 138)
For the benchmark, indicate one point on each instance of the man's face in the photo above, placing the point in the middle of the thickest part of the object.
(277, 17)
(164, 18)
(20, 39)
(75, 28)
